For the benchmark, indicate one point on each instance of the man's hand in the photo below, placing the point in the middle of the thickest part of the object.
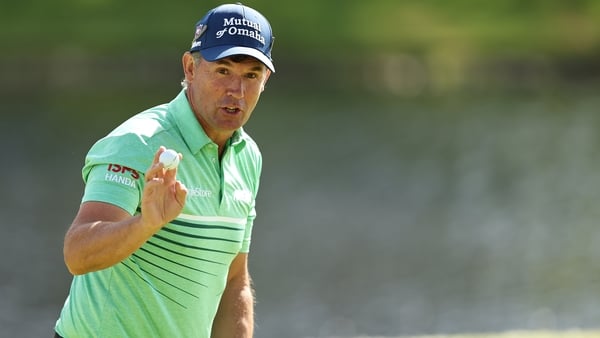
(164, 196)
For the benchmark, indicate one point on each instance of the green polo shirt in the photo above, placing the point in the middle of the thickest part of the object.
(172, 285)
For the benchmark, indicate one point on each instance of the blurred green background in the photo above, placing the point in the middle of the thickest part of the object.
(430, 166)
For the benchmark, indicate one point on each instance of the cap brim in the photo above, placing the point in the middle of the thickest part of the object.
(220, 52)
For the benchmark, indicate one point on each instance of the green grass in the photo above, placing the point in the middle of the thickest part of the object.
(522, 334)
(507, 334)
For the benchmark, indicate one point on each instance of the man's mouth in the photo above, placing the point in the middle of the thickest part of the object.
(231, 110)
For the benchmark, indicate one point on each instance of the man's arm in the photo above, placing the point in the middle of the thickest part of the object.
(103, 234)
(235, 317)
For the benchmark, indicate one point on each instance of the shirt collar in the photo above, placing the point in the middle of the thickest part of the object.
(191, 131)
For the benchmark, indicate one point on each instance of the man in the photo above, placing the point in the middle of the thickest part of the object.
(163, 253)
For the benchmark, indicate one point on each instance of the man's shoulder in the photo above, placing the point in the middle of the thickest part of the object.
(146, 123)
(134, 141)
(249, 144)
(248, 154)
(141, 130)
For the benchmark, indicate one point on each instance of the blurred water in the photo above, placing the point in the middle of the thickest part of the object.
(381, 217)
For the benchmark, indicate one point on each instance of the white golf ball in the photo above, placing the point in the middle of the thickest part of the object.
(169, 158)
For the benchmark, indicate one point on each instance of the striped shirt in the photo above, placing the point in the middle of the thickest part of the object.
(172, 285)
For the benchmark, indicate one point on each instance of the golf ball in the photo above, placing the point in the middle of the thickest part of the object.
(169, 158)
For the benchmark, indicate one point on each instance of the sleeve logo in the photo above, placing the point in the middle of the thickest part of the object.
(121, 174)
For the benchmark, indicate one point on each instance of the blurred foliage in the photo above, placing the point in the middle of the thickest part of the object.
(395, 47)
(349, 26)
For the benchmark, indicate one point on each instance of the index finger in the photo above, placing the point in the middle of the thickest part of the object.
(156, 168)
(160, 150)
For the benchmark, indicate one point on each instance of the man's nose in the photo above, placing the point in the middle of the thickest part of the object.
(236, 87)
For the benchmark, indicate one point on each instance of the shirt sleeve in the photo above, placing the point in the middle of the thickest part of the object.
(248, 232)
(114, 184)
(252, 214)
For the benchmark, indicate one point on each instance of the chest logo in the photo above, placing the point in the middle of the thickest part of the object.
(199, 192)
(242, 196)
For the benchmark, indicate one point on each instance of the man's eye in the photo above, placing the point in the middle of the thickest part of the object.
(222, 71)
(251, 75)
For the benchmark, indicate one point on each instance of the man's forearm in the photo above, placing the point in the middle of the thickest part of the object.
(98, 245)
(235, 317)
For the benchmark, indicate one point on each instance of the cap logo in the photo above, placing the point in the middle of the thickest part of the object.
(200, 29)
(232, 28)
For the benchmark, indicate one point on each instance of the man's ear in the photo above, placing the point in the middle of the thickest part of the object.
(188, 65)
(262, 88)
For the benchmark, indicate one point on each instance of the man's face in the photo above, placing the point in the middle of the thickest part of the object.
(224, 93)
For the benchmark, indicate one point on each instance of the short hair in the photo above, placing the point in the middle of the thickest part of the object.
(237, 58)
(197, 57)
